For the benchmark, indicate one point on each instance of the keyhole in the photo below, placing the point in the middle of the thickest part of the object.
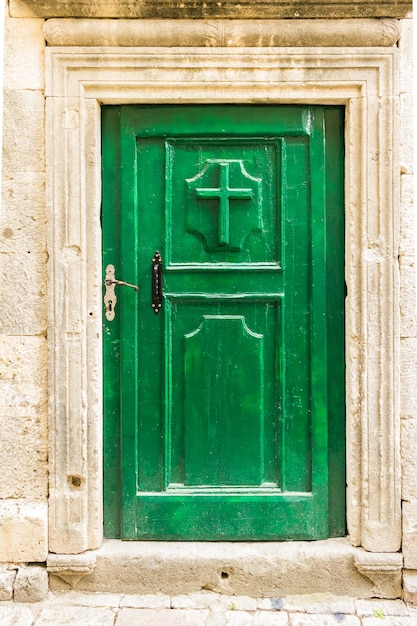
(110, 305)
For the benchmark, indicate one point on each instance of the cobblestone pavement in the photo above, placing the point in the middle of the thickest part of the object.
(205, 609)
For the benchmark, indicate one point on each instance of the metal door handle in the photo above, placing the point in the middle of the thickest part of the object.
(110, 298)
(156, 298)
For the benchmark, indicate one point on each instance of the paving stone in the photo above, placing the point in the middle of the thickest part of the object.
(75, 616)
(342, 606)
(12, 614)
(301, 619)
(191, 601)
(389, 607)
(389, 621)
(78, 598)
(31, 584)
(242, 603)
(7, 578)
(160, 617)
(150, 601)
(242, 618)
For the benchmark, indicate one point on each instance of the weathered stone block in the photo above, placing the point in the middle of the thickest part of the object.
(408, 299)
(23, 531)
(405, 45)
(408, 377)
(18, 614)
(23, 132)
(410, 586)
(31, 584)
(407, 216)
(22, 216)
(409, 459)
(406, 133)
(24, 54)
(87, 616)
(167, 617)
(409, 546)
(23, 417)
(146, 601)
(298, 619)
(23, 292)
(7, 578)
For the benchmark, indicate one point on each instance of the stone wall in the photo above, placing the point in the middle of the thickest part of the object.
(23, 318)
(23, 297)
(407, 251)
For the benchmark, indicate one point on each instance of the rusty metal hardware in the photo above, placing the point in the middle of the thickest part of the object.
(110, 298)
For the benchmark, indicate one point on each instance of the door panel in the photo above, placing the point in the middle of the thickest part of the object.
(218, 424)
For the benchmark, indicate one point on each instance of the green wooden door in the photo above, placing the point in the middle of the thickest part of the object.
(224, 411)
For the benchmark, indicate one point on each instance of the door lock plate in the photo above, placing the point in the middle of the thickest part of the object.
(110, 298)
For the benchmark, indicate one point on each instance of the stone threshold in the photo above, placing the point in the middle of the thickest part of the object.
(267, 569)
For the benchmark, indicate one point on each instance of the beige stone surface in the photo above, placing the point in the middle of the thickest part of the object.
(75, 616)
(76, 598)
(405, 45)
(298, 619)
(202, 8)
(22, 218)
(410, 532)
(407, 245)
(240, 618)
(23, 531)
(228, 33)
(409, 459)
(23, 292)
(408, 377)
(12, 614)
(24, 54)
(154, 617)
(7, 579)
(31, 584)
(317, 603)
(367, 608)
(23, 419)
(406, 133)
(410, 586)
(388, 621)
(146, 601)
(268, 569)
(383, 570)
(408, 297)
(23, 132)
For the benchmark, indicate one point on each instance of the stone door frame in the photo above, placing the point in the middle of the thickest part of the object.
(79, 81)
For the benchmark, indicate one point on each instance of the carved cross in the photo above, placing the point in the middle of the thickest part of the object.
(224, 193)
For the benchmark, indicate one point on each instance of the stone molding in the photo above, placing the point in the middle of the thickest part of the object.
(226, 33)
(364, 80)
(200, 9)
(383, 570)
(71, 567)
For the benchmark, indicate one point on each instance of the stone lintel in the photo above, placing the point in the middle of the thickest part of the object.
(383, 569)
(197, 9)
(224, 33)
